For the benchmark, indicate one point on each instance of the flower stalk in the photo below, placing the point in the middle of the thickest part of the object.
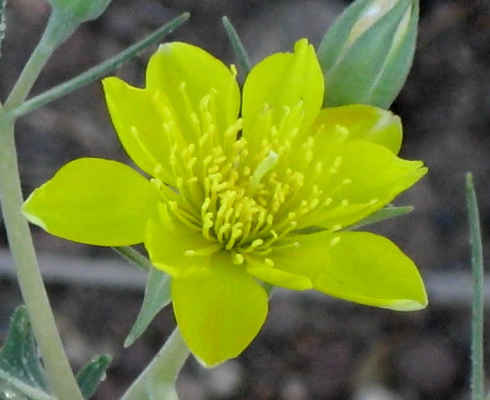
(158, 379)
(29, 276)
(20, 241)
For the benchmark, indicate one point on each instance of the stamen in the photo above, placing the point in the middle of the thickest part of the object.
(142, 146)
(203, 251)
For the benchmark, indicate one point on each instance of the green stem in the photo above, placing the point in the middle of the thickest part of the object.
(29, 276)
(61, 376)
(477, 372)
(158, 379)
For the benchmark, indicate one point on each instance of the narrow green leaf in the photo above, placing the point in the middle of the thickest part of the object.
(382, 215)
(134, 257)
(238, 47)
(21, 371)
(91, 375)
(96, 72)
(157, 296)
(477, 369)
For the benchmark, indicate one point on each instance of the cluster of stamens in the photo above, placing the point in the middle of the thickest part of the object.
(246, 197)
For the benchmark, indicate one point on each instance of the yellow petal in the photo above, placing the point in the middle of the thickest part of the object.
(289, 86)
(369, 269)
(374, 172)
(175, 248)
(356, 266)
(186, 74)
(363, 178)
(220, 313)
(278, 277)
(94, 201)
(359, 122)
(138, 117)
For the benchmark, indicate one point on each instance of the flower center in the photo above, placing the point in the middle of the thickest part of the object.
(246, 196)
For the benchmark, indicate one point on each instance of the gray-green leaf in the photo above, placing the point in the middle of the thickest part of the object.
(22, 375)
(21, 372)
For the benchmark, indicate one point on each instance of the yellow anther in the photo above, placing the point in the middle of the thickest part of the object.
(342, 131)
(237, 258)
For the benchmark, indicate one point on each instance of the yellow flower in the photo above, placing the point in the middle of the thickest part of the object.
(233, 201)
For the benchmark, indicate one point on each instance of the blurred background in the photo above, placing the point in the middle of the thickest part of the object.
(312, 347)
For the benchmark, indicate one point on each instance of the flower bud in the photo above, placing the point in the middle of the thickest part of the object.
(367, 53)
(80, 10)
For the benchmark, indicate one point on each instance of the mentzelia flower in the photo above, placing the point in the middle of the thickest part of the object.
(241, 192)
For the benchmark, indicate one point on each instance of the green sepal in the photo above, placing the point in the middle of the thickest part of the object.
(372, 69)
(157, 296)
(22, 375)
(91, 375)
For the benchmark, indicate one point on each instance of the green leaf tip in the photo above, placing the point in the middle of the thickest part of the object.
(238, 47)
(91, 375)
